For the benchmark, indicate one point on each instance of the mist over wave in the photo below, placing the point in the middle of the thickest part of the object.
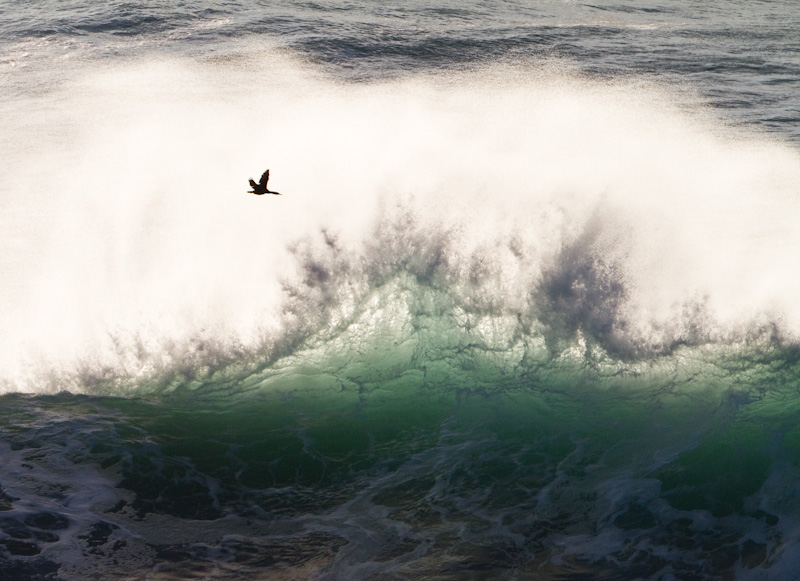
(524, 206)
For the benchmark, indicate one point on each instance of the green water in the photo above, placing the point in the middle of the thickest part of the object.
(636, 473)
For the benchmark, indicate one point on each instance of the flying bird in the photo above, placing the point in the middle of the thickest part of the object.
(260, 188)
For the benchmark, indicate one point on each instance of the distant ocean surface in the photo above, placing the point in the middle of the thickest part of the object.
(527, 307)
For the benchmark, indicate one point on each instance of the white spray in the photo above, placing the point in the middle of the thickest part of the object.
(127, 234)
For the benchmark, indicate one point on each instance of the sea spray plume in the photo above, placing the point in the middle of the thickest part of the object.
(696, 238)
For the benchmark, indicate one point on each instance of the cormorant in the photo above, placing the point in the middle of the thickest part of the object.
(260, 188)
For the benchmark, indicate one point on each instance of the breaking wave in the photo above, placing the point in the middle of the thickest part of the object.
(503, 227)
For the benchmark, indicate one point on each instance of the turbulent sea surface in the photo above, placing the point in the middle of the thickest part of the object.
(528, 307)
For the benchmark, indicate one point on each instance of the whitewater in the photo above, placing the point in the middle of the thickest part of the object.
(508, 187)
(518, 314)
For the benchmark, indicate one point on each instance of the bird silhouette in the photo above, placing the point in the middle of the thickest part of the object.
(260, 188)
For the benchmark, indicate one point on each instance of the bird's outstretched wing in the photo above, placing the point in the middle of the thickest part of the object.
(253, 184)
(264, 179)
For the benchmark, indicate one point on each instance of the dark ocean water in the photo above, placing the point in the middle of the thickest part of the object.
(526, 309)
